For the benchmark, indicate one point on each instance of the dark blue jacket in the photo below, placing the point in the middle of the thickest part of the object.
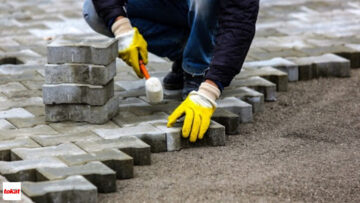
(237, 21)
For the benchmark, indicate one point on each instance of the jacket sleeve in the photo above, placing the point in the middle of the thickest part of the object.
(108, 10)
(237, 19)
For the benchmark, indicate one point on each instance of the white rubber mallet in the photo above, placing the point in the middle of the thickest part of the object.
(153, 86)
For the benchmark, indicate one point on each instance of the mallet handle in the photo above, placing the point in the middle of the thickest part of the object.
(143, 69)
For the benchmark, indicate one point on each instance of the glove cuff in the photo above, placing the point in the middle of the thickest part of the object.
(121, 26)
(210, 91)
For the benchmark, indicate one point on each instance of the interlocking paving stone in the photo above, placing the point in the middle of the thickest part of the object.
(130, 119)
(77, 93)
(117, 160)
(146, 132)
(131, 102)
(251, 96)
(25, 170)
(80, 73)
(279, 63)
(4, 124)
(26, 132)
(131, 145)
(74, 128)
(274, 75)
(11, 87)
(96, 172)
(27, 122)
(82, 50)
(16, 113)
(46, 140)
(36, 153)
(17, 103)
(24, 93)
(322, 66)
(86, 113)
(71, 189)
(6, 146)
(260, 84)
(353, 54)
(228, 119)
(173, 136)
(237, 106)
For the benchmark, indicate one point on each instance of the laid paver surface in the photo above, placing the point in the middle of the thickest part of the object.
(302, 146)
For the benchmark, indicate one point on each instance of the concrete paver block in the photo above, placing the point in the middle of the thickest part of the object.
(16, 113)
(131, 145)
(133, 120)
(25, 170)
(36, 153)
(96, 172)
(228, 119)
(12, 134)
(4, 124)
(237, 106)
(173, 136)
(80, 73)
(77, 93)
(146, 132)
(85, 51)
(115, 159)
(46, 140)
(71, 189)
(279, 63)
(6, 146)
(260, 84)
(86, 113)
(251, 96)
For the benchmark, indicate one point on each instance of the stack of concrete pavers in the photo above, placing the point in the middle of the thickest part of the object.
(79, 80)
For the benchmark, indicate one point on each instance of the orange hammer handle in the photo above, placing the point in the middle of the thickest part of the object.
(143, 69)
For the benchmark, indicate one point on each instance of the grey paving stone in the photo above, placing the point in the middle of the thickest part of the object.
(274, 75)
(146, 132)
(130, 119)
(260, 84)
(96, 172)
(16, 103)
(115, 159)
(131, 102)
(77, 93)
(11, 87)
(228, 119)
(173, 136)
(131, 145)
(4, 124)
(167, 106)
(131, 85)
(323, 66)
(86, 51)
(238, 107)
(25, 170)
(71, 189)
(251, 96)
(46, 140)
(85, 113)
(27, 122)
(26, 132)
(80, 127)
(16, 113)
(279, 63)
(24, 94)
(353, 55)
(80, 73)
(6, 146)
(36, 153)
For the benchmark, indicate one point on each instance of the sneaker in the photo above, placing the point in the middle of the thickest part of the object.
(191, 83)
(175, 79)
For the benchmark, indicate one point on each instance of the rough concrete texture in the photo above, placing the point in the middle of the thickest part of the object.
(131, 145)
(87, 113)
(115, 159)
(25, 170)
(80, 73)
(36, 153)
(77, 94)
(71, 189)
(82, 50)
(96, 172)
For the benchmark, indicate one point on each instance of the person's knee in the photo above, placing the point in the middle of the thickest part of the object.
(93, 20)
(88, 11)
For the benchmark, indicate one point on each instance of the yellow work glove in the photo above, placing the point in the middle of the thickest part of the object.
(198, 108)
(131, 44)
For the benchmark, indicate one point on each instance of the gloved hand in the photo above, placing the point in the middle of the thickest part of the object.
(131, 44)
(198, 108)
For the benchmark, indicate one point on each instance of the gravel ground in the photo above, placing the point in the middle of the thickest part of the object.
(304, 147)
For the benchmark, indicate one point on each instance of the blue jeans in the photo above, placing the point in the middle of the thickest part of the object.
(172, 28)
